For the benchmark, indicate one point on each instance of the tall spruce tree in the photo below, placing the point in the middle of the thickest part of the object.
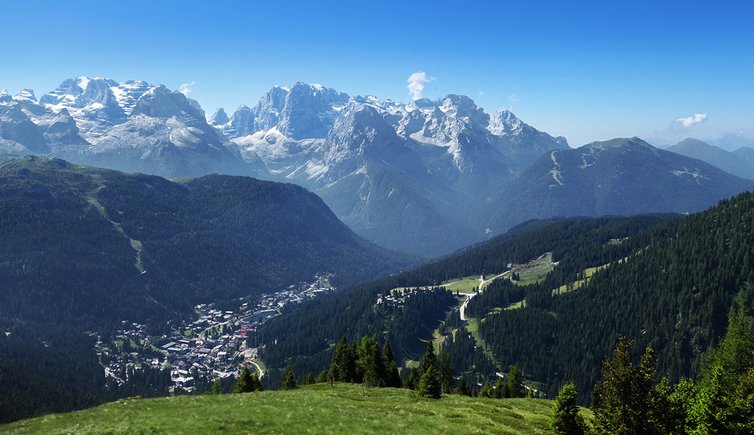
(289, 380)
(515, 382)
(429, 383)
(624, 400)
(392, 377)
(243, 383)
(566, 418)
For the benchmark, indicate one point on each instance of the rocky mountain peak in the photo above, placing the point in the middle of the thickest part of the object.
(219, 117)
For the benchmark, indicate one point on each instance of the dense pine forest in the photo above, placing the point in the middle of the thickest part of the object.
(84, 249)
(664, 281)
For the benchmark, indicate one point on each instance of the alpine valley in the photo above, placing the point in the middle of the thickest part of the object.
(148, 249)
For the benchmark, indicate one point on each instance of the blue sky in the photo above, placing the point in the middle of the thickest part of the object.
(585, 70)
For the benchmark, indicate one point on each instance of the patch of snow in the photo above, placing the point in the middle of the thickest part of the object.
(555, 171)
(83, 82)
(695, 174)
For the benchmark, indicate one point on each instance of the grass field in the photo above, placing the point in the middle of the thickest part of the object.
(535, 270)
(468, 284)
(319, 408)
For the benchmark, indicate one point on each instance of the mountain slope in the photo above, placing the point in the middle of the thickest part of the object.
(413, 177)
(616, 177)
(662, 281)
(90, 245)
(739, 162)
(320, 408)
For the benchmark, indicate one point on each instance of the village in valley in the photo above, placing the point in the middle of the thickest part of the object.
(214, 344)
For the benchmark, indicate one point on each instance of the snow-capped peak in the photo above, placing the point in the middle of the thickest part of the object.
(219, 118)
(26, 95)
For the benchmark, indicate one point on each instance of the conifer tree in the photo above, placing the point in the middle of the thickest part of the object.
(392, 377)
(429, 383)
(243, 383)
(428, 359)
(446, 372)
(624, 399)
(371, 363)
(566, 418)
(256, 382)
(515, 382)
(501, 389)
(412, 380)
(289, 380)
(217, 387)
(486, 390)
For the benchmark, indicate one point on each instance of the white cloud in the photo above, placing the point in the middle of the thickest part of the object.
(481, 93)
(688, 121)
(186, 88)
(416, 83)
(512, 99)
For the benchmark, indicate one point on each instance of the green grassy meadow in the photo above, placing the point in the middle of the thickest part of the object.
(344, 408)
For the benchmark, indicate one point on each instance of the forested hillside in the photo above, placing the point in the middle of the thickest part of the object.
(84, 249)
(355, 312)
(662, 281)
(86, 245)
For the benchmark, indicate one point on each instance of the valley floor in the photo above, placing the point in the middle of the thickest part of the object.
(345, 408)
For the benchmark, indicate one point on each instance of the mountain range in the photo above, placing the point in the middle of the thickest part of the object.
(425, 177)
(738, 162)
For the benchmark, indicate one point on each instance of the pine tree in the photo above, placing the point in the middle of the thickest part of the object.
(338, 365)
(501, 389)
(217, 387)
(446, 372)
(428, 359)
(486, 390)
(725, 401)
(371, 363)
(243, 383)
(289, 380)
(566, 418)
(392, 377)
(624, 400)
(515, 382)
(412, 380)
(429, 383)
(256, 382)
(462, 389)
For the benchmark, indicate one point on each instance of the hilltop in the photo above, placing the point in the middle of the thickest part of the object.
(344, 408)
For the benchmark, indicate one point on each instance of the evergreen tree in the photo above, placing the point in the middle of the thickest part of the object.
(371, 363)
(515, 382)
(353, 370)
(501, 389)
(428, 359)
(726, 395)
(289, 380)
(343, 363)
(243, 383)
(486, 390)
(429, 383)
(392, 377)
(309, 379)
(216, 387)
(412, 380)
(256, 382)
(462, 389)
(446, 372)
(566, 418)
(625, 399)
